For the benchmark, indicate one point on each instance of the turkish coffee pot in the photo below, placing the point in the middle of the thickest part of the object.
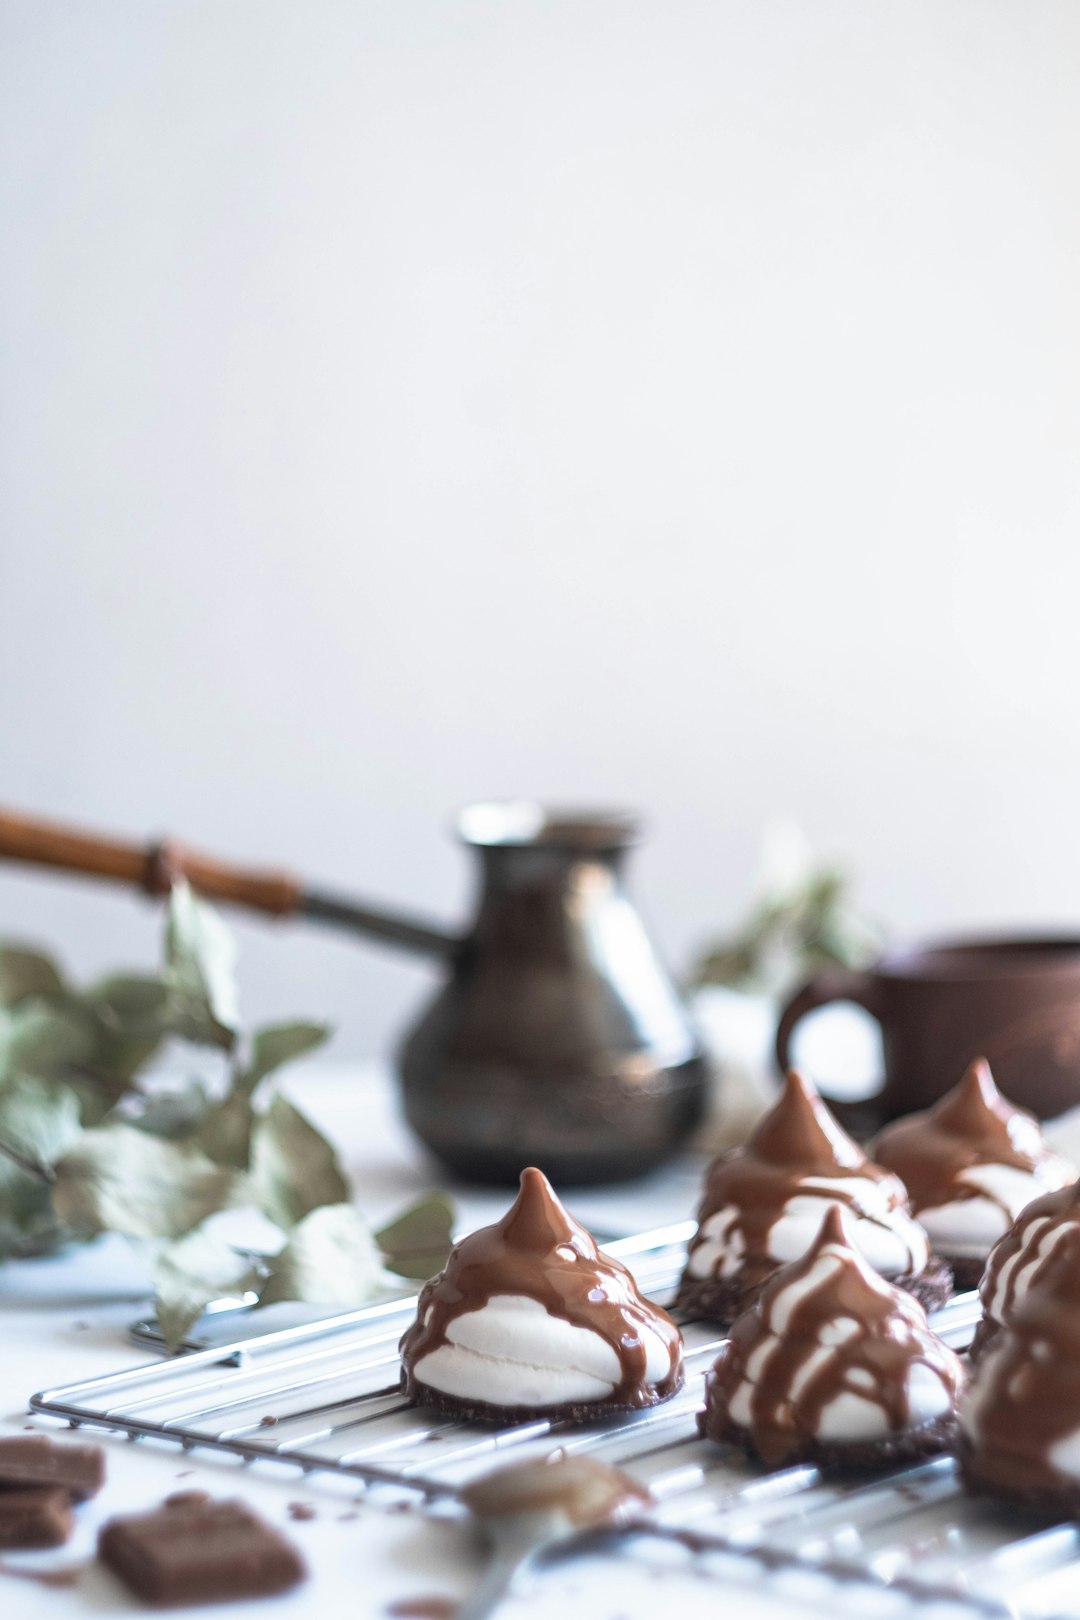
(557, 1038)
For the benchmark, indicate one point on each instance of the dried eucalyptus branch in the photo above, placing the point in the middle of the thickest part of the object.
(92, 1141)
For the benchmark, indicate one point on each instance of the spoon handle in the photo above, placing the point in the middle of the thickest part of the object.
(493, 1585)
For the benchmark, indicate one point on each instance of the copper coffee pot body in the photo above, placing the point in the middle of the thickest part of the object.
(558, 1039)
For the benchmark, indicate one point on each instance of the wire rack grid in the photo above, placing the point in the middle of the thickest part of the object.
(324, 1397)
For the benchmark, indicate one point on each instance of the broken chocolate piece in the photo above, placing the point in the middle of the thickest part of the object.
(199, 1552)
(39, 1516)
(34, 1459)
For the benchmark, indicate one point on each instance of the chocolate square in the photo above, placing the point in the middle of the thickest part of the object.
(199, 1551)
(34, 1459)
(39, 1516)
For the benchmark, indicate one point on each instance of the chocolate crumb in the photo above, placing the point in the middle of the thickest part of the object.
(267, 1422)
(347, 1518)
(187, 1499)
(302, 1511)
(423, 1608)
(45, 1577)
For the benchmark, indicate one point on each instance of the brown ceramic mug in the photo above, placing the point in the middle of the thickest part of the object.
(1015, 1002)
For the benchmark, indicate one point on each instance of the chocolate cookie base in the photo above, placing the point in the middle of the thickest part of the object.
(984, 1336)
(933, 1287)
(566, 1412)
(967, 1273)
(722, 1299)
(909, 1445)
(716, 1299)
(1048, 1502)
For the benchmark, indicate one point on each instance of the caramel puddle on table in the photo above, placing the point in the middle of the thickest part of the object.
(44, 1577)
(423, 1608)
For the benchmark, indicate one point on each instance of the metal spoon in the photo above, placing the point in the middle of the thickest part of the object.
(529, 1507)
(516, 1540)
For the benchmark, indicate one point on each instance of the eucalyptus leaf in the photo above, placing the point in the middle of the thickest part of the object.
(119, 1179)
(27, 972)
(225, 1131)
(200, 970)
(39, 1119)
(121, 1055)
(41, 1036)
(419, 1241)
(192, 1273)
(331, 1258)
(277, 1044)
(23, 1198)
(132, 1015)
(130, 1000)
(293, 1166)
(84, 1150)
(803, 921)
(175, 1114)
(28, 1224)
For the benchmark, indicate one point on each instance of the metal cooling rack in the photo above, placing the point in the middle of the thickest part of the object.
(324, 1398)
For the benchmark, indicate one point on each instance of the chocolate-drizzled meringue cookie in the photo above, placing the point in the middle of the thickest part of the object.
(1019, 1260)
(1020, 1422)
(832, 1364)
(764, 1203)
(970, 1165)
(529, 1319)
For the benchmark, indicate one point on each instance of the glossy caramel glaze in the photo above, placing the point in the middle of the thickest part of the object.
(797, 1142)
(824, 1330)
(1021, 1421)
(973, 1124)
(540, 1252)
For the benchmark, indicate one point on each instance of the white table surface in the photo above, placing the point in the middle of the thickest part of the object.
(66, 1318)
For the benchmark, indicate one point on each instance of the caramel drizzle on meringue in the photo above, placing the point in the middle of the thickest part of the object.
(882, 1333)
(538, 1250)
(1025, 1394)
(972, 1124)
(797, 1138)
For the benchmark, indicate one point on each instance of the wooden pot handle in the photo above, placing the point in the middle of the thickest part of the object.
(151, 867)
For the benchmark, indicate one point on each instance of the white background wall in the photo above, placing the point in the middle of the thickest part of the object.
(664, 403)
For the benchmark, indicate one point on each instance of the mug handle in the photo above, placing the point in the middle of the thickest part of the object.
(831, 984)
